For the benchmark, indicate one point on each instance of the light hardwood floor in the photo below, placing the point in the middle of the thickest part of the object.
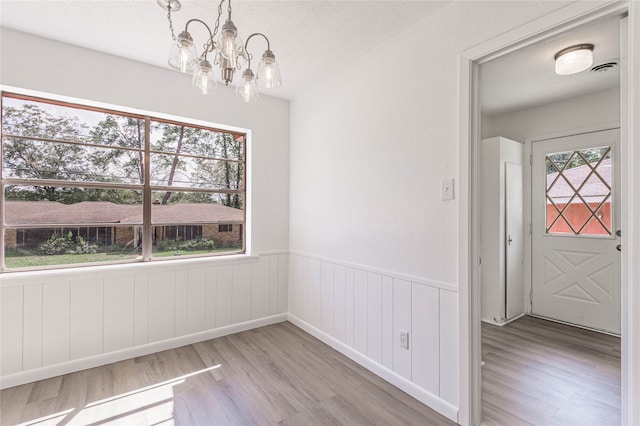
(272, 375)
(539, 372)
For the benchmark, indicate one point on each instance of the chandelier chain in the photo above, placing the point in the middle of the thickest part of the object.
(173, 34)
(210, 44)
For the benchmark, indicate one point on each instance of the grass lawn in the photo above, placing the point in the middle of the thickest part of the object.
(26, 261)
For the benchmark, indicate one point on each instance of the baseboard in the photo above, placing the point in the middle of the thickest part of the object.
(515, 318)
(128, 353)
(493, 322)
(427, 398)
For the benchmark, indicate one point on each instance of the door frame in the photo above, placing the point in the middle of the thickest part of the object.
(528, 196)
(570, 16)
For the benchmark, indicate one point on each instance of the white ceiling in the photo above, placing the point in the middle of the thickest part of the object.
(526, 77)
(309, 38)
(306, 34)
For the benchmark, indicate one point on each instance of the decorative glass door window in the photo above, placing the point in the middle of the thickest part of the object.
(578, 192)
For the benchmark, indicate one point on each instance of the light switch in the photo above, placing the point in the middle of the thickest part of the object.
(447, 189)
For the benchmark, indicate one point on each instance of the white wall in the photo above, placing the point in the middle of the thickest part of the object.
(369, 148)
(57, 321)
(599, 108)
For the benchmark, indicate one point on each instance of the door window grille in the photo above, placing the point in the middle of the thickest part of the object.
(578, 192)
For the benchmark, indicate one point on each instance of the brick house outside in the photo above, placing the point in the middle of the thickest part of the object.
(108, 223)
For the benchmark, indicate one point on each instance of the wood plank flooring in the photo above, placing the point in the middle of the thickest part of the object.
(271, 375)
(539, 372)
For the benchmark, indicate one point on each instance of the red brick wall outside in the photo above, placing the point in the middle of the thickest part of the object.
(125, 235)
(10, 236)
(210, 232)
(577, 214)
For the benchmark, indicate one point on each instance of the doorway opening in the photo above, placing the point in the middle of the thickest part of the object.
(548, 216)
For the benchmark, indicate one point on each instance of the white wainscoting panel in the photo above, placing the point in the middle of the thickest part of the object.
(241, 284)
(225, 295)
(362, 312)
(449, 347)
(425, 345)
(261, 287)
(55, 322)
(374, 317)
(387, 322)
(11, 300)
(32, 327)
(350, 306)
(141, 309)
(274, 288)
(162, 304)
(282, 283)
(327, 302)
(119, 321)
(314, 295)
(402, 322)
(340, 301)
(211, 296)
(181, 291)
(86, 324)
(61, 321)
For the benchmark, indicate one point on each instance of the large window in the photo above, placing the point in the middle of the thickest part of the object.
(83, 185)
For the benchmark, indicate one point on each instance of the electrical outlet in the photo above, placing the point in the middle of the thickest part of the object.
(404, 339)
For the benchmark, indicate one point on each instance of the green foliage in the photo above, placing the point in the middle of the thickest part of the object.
(165, 245)
(570, 159)
(57, 244)
(196, 244)
(32, 159)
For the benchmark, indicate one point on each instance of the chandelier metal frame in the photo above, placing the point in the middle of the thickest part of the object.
(227, 52)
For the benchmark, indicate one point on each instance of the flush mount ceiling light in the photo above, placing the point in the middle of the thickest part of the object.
(226, 51)
(574, 59)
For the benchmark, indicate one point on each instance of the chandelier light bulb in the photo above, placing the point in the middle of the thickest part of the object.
(203, 79)
(227, 41)
(574, 59)
(183, 53)
(268, 71)
(247, 88)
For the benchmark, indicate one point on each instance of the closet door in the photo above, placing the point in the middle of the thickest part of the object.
(514, 240)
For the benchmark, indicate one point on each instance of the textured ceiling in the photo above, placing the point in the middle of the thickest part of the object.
(309, 38)
(526, 77)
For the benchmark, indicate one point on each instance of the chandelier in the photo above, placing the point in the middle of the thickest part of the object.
(227, 51)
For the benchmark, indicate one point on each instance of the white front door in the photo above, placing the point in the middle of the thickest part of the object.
(576, 264)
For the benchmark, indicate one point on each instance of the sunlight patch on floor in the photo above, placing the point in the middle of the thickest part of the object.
(150, 405)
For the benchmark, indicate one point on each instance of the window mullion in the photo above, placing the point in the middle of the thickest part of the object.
(147, 239)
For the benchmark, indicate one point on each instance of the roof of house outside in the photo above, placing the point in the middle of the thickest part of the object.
(104, 212)
(594, 190)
